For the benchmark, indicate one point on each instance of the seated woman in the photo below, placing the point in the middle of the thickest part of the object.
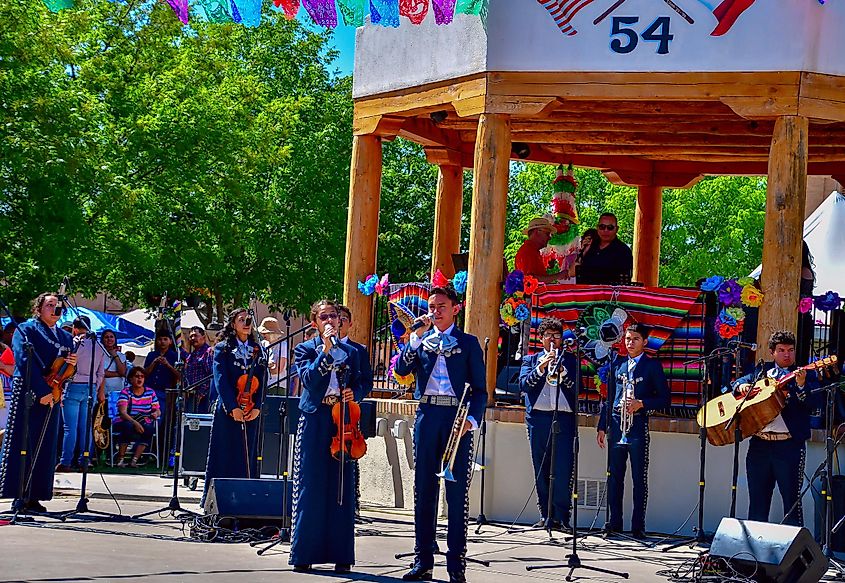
(137, 410)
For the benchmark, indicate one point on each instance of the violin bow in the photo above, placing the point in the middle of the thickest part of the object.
(341, 385)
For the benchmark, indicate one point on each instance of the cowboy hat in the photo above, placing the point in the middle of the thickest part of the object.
(269, 326)
(539, 223)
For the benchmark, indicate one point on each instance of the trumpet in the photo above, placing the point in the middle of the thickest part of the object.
(555, 369)
(451, 451)
(626, 419)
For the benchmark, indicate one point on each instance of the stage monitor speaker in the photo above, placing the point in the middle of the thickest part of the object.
(250, 502)
(196, 432)
(507, 384)
(772, 553)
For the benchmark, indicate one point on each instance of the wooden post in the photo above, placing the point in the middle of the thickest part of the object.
(362, 232)
(447, 218)
(487, 234)
(784, 230)
(648, 224)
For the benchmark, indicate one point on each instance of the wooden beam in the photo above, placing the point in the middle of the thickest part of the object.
(487, 233)
(648, 224)
(448, 208)
(424, 132)
(445, 157)
(417, 100)
(362, 232)
(385, 126)
(652, 178)
(784, 228)
(768, 107)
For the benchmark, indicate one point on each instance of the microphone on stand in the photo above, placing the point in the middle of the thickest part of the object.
(61, 296)
(740, 344)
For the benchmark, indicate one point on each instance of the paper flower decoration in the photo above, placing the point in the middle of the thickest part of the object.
(726, 318)
(383, 286)
(736, 313)
(730, 293)
(439, 280)
(529, 284)
(506, 312)
(712, 283)
(744, 281)
(727, 331)
(514, 282)
(751, 296)
(460, 282)
(368, 287)
(522, 312)
(827, 302)
(805, 305)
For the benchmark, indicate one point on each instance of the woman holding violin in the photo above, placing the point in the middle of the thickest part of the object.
(239, 376)
(40, 373)
(328, 437)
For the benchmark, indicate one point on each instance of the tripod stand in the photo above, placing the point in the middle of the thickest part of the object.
(174, 505)
(573, 560)
(700, 536)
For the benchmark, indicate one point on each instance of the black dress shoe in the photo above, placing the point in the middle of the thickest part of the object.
(342, 568)
(301, 568)
(539, 524)
(418, 573)
(457, 577)
(36, 506)
(638, 534)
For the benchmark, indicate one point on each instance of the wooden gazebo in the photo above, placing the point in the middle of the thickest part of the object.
(658, 104)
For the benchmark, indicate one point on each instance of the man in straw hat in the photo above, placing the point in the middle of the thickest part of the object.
(528, 259)
(277, 364)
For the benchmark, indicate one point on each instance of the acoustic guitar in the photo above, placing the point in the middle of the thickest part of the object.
(766, 399)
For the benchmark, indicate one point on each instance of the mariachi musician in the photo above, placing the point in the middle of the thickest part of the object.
(449, 367)
(636, 385)
(323, 487)
(776, 453)
(239, 376)
(548, 381)
(37, 434)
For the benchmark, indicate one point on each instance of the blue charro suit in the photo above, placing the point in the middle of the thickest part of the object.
(466, 372)
(651, 388)
(323, 530)
(539, 424)
(781, 462)
(366, 386)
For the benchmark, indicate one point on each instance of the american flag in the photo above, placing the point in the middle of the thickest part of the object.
(563, 11)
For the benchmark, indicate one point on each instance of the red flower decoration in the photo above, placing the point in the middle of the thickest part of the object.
(529, 284)
(439, 280)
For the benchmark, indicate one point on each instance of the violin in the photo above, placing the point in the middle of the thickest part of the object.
(349, 441)
(61, 372)
(247, 384)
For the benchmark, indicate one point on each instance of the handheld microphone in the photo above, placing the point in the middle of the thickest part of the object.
(740, 344)
(333, 340)
(419, 322)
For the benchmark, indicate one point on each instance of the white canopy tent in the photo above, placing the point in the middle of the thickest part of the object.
(824, 232)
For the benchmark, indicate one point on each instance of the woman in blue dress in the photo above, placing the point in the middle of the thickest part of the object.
(233, 446)
(38, 432)
(323, 510)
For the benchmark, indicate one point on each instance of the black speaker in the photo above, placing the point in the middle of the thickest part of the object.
(272, 410)
(250, 502)
(507, 384)
(772, 553)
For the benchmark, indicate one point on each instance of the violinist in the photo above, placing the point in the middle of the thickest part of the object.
(323, 493)
(38, 434)
(239, 378)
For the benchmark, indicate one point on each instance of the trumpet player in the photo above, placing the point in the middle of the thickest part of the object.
(450, 374)
(547, 379)
(636, 385)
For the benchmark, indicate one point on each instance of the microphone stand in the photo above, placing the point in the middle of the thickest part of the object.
(481, 520)
(701, 537)
(174, 505)
(573, 560)
(736, 421)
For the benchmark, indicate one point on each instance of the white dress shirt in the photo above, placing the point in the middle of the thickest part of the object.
(548, 396)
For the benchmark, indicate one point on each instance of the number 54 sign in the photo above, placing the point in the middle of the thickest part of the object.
(626, 35)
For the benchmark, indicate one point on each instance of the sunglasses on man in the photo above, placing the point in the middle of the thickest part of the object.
(606, 227)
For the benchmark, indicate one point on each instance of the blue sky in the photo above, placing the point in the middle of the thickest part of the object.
(343, 40)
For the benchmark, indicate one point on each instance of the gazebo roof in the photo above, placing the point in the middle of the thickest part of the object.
(705, 106)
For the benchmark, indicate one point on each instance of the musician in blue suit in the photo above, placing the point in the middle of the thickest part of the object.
(776, 453)
(544, 392)
(447, 363)
(323, 491)
(642, 380)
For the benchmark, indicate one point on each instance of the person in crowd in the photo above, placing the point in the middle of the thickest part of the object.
(233, 449)
(78, 395)
(160, 368)
(589, 238)
(611, 261)
(776, 453)
(638, 384)
(198, 370)
(8, 333)
(271, 334)
(448, 364)
(137, 411)
(323, 503)
(528, 259)
(116, 365)
(130, 361)
(33, 427)
(7, 369)
(547, 379)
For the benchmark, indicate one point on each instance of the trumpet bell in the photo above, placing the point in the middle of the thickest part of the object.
(446, 474)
